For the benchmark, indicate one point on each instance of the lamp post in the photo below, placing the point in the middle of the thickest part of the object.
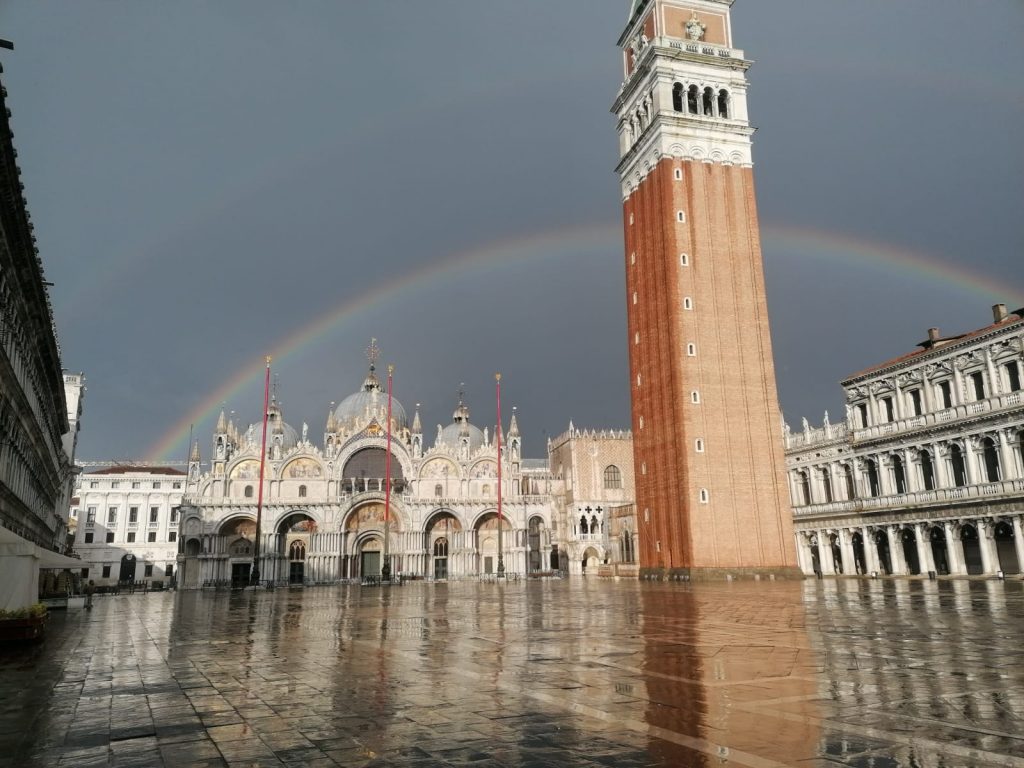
(254, 577)
(385, 571)
(501, 557)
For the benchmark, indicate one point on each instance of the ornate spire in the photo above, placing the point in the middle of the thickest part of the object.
(222, 423)
(194, 454)
(372, 383)
(513, 427)
(417, 428)
(332, 423)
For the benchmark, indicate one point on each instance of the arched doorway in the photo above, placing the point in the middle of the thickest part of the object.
(972, 549)
(128, 567)
(239, 533)
(294, 541)
(908, 539)
(487, 542)
(535, 560)
(443, 524)
(837, 553)
(370, 553)
(1005, 549)
(940, 556)
(590, 559)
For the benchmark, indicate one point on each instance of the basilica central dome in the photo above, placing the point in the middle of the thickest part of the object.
(369, 403)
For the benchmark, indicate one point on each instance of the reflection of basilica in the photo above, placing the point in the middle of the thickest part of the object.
(324, 506)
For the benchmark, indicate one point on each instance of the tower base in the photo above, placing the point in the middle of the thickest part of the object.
(779, 573)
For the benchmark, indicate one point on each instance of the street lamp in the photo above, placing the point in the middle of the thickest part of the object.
(501, 556)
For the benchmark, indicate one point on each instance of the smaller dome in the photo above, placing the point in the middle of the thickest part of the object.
(452, 436)
(276, 426)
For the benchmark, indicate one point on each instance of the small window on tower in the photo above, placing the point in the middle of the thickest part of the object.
(699, 445)
(634, 297)
(636, 337)
(681, 217)
(638, 379)
(703, 495)
(641, 422)
(647, 515)
(679, 174)
(691, 350)
(695, 397)
(632, 258)
(643, 468)
(684, 259)
(687, 303)
(631, 219)
(723, 103)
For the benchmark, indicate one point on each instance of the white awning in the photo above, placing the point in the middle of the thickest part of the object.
(12, 545)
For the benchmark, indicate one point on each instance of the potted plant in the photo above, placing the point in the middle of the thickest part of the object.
(23, 623)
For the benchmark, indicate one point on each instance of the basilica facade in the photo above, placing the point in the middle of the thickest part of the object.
(325, 512)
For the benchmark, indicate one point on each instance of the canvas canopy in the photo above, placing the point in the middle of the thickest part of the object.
(20, 561)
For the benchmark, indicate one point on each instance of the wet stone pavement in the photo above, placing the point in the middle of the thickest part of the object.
(579, 672)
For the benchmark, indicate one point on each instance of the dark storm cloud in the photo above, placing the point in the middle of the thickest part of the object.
(206, 179)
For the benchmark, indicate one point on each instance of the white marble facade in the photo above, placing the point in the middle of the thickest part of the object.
(323, 507)
(926, 474)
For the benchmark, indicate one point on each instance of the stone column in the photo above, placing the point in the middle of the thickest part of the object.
(954, 548)
(1007, 467)
(926, 392)
(970, 462)
(987, 544)
(1018, 540)
(899, 566)
(828, 567)
(924, 548)
(897, 399)
(846, 550)
(958, 385)
(870, 550)
(993, 377)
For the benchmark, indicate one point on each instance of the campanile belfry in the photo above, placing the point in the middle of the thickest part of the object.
(710, 473)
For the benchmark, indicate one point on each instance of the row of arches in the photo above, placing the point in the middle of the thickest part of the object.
(707, 102)
(967, 548)
(951, 465)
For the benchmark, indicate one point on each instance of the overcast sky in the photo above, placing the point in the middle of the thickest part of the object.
(207, 179)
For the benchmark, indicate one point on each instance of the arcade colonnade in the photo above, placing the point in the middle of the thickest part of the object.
(947, 547)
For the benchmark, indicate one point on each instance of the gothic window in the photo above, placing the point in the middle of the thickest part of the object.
(594, 528)
(248, 492)
(915, 401)
(826, 484)
(302, 491)
(693, 100)
(709, 102)
(583, 524)
(978, 383)
(441, 547)
(946, 394)
(805, 489)
(1013, 376)
(240, 547)
(956, 458)
(612, 477)
(899, 475)
(677, 97)
(439, 490)
(297, 551)
(927, 470)
(872, 470)
(991, 455)
(723, 103)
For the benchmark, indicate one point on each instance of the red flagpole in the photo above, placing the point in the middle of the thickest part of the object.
(501, 524)
(255, 575)
(386, 569)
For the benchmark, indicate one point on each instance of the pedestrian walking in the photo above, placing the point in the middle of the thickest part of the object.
(89, 590)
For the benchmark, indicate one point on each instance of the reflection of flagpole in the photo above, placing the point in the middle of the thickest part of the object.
(501, 558)
(255, 576)
(385, 571)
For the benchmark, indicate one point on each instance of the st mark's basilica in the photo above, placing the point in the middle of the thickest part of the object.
(323, 506)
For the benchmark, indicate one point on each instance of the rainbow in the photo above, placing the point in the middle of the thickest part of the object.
(809, 244)
(817, 245)
(555, 244)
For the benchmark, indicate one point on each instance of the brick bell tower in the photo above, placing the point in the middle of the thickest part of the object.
(707, 430)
